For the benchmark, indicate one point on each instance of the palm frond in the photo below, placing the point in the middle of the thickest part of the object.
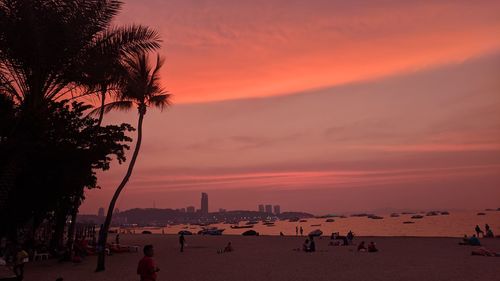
(122, 105)
(161, 101)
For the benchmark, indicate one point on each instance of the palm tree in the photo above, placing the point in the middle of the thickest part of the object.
(140, 87)
(49, 49)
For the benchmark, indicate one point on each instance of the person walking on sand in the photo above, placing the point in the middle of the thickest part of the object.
(301, 231)
(478, 230)
(182, 241)
(147, 268)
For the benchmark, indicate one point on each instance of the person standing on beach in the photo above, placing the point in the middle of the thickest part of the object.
(147, 268)
(182, 240)
(301, 231)
(478, 230)
(297, 231)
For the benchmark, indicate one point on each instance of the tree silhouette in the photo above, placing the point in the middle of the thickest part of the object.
(140, 87)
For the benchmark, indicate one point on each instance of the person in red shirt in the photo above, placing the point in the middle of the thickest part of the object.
(147, 269)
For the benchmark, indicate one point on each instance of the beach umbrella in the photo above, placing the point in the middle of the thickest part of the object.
(316, 232)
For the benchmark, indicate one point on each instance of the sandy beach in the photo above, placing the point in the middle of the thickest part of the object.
(273, 258)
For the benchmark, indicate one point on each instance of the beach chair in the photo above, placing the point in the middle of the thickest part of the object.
(40, 256)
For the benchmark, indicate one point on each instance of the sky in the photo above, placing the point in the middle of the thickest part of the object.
(319, 106)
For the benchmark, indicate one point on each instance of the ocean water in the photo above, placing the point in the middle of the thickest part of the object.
(454, 225)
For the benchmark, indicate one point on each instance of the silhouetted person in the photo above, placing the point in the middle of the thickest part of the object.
(182, 241)
(478, 231)
(20, 259)
(486, 227)
(305, 246)
(147, 268)
(301, 231)
(228, 248)
(372, 248)
(296, 231)
(474, 241)
(117, 239)
(312, 245)
(350, 237)
(361, 247)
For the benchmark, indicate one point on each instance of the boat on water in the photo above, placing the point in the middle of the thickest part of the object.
(445, 213)
(481, 214)
(316, 224)
(302, 220)
(293, 220)
(408, 222)
(211, 231)
(375, 217)
(241, 226)
(330, 220)
(252, 222)
(417, 217)
(394, 215)
(432, 213)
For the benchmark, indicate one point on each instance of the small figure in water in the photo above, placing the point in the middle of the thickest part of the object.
(229, 248)
(479, 231)
(301, 231)
(362, 247)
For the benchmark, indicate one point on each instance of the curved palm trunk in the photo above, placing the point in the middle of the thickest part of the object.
(103, 238)
(101, 111)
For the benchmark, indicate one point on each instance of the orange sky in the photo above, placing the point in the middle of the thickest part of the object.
(292, 102)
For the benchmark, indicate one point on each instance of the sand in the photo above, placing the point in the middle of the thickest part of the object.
(272, 258)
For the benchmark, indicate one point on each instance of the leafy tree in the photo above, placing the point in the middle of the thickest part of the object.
(60, 164)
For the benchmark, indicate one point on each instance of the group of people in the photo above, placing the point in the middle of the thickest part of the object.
(340, 240)
(488, 233)
(371, 247)
(299, 230)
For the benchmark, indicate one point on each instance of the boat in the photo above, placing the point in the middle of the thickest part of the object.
(270, 225)
(211, 231)
(302, 220)
(394, 215)
(185, 232)
(146, 232)
(417, 217)
(330, 220)
(241, 226)
(316, 224)
(481, 214)
(252, 222)
(445, 213)
(375, 217)
(408, 222)
(432, 213)
(293, 220)
(250, 233)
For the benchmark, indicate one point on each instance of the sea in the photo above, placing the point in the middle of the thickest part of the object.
(456, 224)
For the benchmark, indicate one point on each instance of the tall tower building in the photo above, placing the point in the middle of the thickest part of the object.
(204, 203)
(261, 208)
(277, 209)
(269, 209)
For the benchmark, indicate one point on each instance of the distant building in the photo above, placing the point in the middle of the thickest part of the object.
(222, 210)
(117, 211)
(269, 209)
(190, 209)
(100, 213)
(261, 208)
(277, 209)
(183, 210)
(204, 203)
